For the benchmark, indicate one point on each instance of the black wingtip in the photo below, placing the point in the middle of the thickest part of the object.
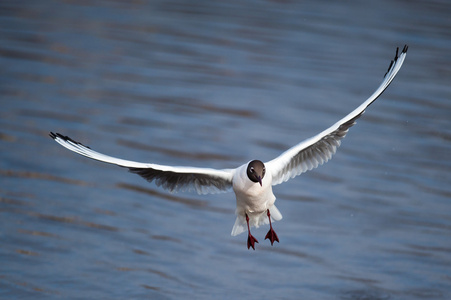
(404, 50)
(59, 135)
(389, 67)
(65, 138)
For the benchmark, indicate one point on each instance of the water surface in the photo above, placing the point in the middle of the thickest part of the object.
(216, 84)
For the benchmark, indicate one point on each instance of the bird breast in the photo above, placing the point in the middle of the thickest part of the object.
(250, 196)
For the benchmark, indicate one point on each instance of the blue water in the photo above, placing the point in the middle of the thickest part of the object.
(216, 84)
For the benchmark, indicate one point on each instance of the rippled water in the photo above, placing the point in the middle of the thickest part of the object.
(216, 84)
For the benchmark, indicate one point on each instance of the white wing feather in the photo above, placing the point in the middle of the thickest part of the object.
(318, 149)
(203, 180)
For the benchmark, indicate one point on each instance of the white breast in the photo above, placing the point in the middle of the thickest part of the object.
(250, 196)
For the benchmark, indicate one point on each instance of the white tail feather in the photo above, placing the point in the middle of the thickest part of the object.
(255, 220)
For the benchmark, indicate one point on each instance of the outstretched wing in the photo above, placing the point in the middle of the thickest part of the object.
(316, 150)
(202, 180)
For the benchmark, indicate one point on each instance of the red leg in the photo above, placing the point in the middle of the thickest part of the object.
(250, 239)
(271, 235)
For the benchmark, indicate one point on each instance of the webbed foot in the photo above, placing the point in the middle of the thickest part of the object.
(251, 241)
(250, 238)
(272, 236)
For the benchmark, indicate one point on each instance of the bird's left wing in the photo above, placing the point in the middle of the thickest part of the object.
(202, 180)
(318, 149)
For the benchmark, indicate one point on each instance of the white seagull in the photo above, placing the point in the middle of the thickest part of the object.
(253, 181)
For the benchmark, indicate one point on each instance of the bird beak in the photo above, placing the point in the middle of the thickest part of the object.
(260, 180)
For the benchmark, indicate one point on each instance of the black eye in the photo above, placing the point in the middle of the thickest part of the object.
(252, 170)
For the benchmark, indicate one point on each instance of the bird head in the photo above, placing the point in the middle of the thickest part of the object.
(256, 171)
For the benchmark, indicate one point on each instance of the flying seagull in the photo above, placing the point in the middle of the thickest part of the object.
(253, 181)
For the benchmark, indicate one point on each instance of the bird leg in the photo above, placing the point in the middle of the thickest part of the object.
(250, 239)
(271, 235)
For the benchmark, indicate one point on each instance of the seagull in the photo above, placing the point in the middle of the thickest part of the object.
(252, 182)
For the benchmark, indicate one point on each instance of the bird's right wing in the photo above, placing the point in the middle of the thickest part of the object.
(202, 180)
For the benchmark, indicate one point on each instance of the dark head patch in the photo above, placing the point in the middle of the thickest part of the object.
(256, 171)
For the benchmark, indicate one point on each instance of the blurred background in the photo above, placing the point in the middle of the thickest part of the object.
(216, 84)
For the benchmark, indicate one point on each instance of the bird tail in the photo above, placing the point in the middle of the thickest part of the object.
(255, 220)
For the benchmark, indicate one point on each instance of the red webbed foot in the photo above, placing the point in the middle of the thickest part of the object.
(251, 241)
(250, 238)
(271, 235)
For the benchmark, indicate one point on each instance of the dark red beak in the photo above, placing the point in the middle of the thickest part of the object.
(260, 180)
